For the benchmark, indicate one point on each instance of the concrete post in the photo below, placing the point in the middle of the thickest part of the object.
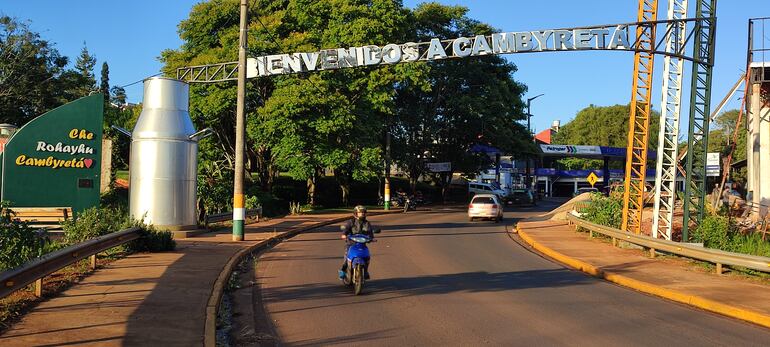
(104, 185)
(764, 160)
(752, 145)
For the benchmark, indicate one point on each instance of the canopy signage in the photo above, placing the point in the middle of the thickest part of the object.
(567, 149)
(611, 37)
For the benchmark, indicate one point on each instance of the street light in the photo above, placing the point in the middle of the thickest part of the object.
(529, 132)
(529, 114)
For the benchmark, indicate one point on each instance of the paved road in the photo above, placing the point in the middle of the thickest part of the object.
(439, 280)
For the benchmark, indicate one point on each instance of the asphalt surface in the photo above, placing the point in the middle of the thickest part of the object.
(438, 279)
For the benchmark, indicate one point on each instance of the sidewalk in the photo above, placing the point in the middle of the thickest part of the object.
(673, 278)
(147, 299)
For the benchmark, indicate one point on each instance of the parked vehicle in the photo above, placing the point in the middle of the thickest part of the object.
(485, 206)
(356, 257)
(522, 197)
(487, 188)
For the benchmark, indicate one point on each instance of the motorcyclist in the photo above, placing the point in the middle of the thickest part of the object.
(357, 225)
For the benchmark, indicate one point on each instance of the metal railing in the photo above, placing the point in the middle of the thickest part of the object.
(226, 216)
(715, 256)
(34, 270)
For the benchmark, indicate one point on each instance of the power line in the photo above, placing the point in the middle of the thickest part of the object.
(141, 80)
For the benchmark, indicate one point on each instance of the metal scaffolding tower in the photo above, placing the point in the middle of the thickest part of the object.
(700, 106)
(639, 122)
(671, 105)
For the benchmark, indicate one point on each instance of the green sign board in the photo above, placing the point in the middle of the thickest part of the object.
(55, 160)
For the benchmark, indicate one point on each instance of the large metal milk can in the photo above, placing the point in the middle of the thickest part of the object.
(164, 158)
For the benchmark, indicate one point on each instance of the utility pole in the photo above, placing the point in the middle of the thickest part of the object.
(529, 133)
(239, 212)
(387, 167)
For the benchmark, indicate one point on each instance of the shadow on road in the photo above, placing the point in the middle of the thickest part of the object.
(467, 282)
(357, 338)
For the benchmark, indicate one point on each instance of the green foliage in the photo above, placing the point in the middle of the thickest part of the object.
(252, 202)
(118, 96)
(604, 210)
(115, 198)
(305, 123)
(721, 232)
(715, 232)
(95, 222)
(18, 242)
(33, 75)
(215, 192)
(104, 86)
(151, 240)
(601, 126)
(721, 140)
(84, 65)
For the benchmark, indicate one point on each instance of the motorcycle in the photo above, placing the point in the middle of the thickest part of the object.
(409, 204)
(356, 257)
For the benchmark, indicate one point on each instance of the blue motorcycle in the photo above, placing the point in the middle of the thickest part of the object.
(356, 256)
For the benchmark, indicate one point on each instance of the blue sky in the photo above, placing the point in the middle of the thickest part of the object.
(130, 35)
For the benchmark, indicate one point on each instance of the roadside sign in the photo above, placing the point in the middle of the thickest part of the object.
(712, 164)
(592, 179)
(439, 167)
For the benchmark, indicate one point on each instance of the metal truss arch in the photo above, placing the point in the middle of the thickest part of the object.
(700, 106)
(639, 120)
(667, 161)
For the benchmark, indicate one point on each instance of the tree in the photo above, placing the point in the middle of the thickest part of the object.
(31, 73)
(104, 87)
(298, 124)
(118, 95)
(84, 65)
(601, 126)
(302, 124)
(455, 104)
(721, 140)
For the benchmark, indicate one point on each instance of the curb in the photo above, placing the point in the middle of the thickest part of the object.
(215, 299)
(649, 288)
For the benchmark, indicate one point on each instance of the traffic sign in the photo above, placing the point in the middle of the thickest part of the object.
(592, 179)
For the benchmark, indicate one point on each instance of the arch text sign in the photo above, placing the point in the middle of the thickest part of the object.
(613, 37)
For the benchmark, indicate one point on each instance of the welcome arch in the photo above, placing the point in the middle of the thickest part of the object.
(672, 38)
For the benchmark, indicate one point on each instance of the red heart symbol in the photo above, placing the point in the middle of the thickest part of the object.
(88, 162)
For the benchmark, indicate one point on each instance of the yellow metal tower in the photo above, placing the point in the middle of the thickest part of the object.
(639, 122)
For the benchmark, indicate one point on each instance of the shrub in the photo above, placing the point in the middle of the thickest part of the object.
(720, 232)
(116, 197)
(94, 222)
(18, 242)
(715, 232)
(603, 210)
(151, 240)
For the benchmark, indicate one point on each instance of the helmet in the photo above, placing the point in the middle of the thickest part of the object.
(359, 212)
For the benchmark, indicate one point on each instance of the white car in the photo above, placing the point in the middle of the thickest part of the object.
(485, 206)
(487, 188)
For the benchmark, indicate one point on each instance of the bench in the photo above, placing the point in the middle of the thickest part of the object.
(49, 218)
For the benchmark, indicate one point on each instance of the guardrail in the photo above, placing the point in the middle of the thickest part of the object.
(226, 216)
(34, 270)
(715, 256)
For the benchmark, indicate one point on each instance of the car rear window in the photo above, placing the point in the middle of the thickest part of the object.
(483, 200)
(519, 193)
